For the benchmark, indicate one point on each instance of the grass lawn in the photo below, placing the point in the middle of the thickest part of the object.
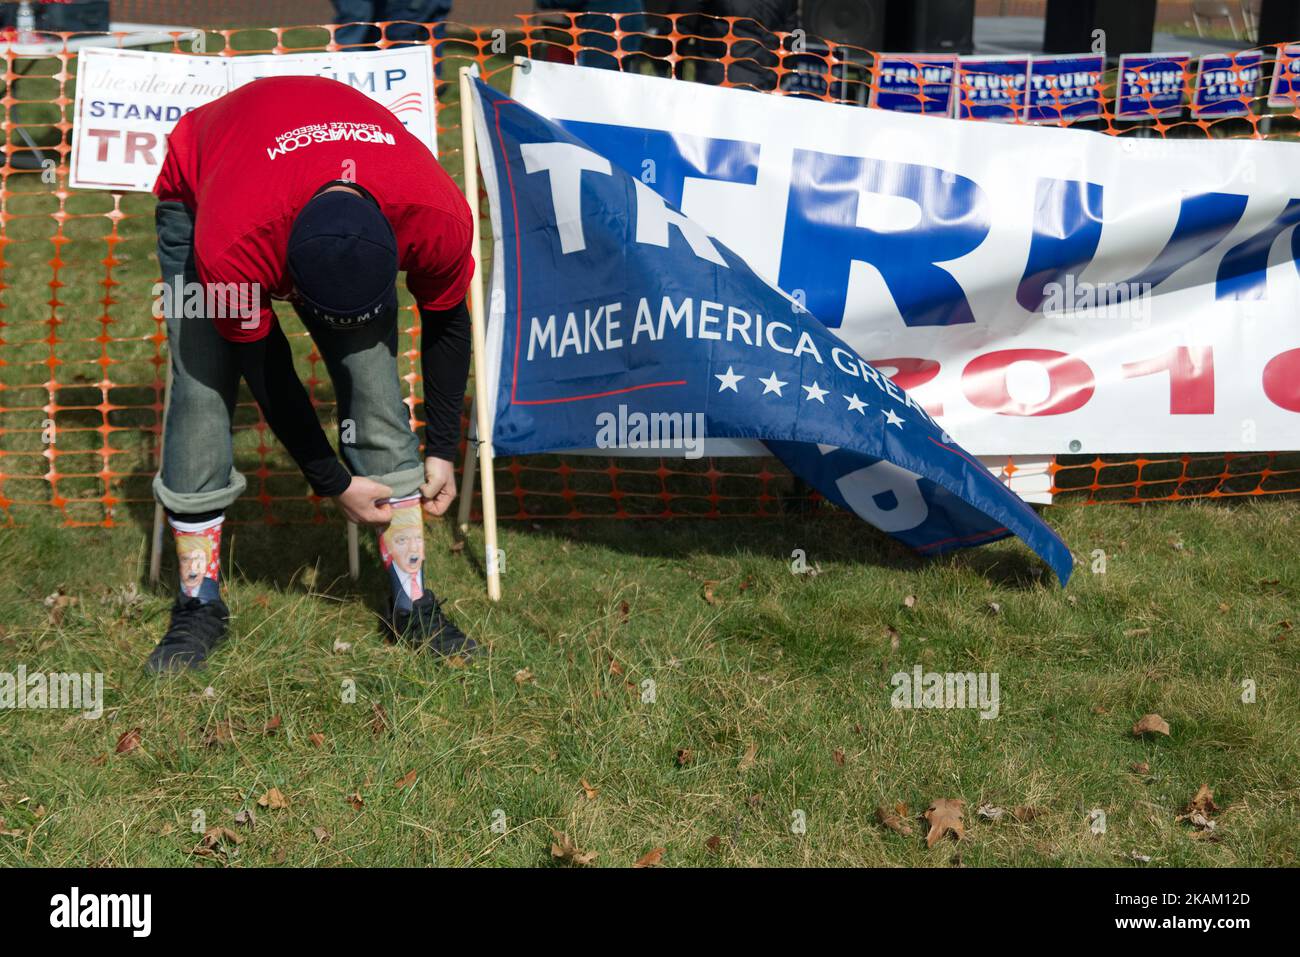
(745, 657)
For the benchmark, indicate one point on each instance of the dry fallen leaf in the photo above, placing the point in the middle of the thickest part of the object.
(222, 733)
(1021, 813)
(523, 676)
(273, 799)
(58, 603)
(944, 815)
(320, 834)
(317, 740)
(406, 780)
(708, 593)
(651, 858)
(892, 634)
(246, 818)
(129, 741)
(684, 757)
(273, 725)
(1151, 724)
(895, 820)
(1199, 809)
(567, 851)
(356, 801)
(713, 843)
(379, 719)
(1140, 767)
(748, 758)
(220, 835)
(624, 610)
(589, 790)
(838, 756)
(909, 601)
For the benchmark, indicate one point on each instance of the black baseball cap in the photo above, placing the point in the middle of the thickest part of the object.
(343, 258)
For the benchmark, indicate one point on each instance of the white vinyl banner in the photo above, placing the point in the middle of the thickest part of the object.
(1042, 291)
(128, 101)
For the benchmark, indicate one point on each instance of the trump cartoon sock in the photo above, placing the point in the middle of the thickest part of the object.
(198, 553)
(401, 545)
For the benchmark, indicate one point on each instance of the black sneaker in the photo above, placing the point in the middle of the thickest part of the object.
(197, 627)
(425, 626)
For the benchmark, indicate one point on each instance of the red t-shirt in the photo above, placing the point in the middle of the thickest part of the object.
(246, 164)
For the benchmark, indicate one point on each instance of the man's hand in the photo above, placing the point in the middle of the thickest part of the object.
(359, 502)
(439, 488)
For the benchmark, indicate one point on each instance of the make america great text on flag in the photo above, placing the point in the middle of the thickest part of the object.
(611, 312)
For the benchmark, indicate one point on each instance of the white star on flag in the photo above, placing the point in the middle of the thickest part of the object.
(772, 384)
(893, 418)
(728, 380)
(856, 404)
(815, 392)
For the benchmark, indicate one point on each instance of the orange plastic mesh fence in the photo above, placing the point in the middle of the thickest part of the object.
(83, 359)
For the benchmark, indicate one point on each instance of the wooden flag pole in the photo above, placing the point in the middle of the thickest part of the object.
(354, 552)
(469, 155)
(467, 479)
(156, 538)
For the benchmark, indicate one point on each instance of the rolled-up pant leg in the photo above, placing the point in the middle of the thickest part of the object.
(198, 472)
(375, 437)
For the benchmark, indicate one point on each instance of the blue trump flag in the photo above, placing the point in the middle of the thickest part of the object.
(618, 322)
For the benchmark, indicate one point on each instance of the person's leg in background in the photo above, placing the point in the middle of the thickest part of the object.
(198, 480)
(705, 45)
(417, 12)
(355, 17)
(754, 47)
(376, 441)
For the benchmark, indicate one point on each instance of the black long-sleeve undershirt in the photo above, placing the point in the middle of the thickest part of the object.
(444, 360)
(267, 366)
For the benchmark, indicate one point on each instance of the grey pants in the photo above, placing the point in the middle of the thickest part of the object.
(198, 469)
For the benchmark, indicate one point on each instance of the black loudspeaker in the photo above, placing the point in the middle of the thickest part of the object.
(1279, 22)
(1128, 26)
(859, 23)
(930, 26)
